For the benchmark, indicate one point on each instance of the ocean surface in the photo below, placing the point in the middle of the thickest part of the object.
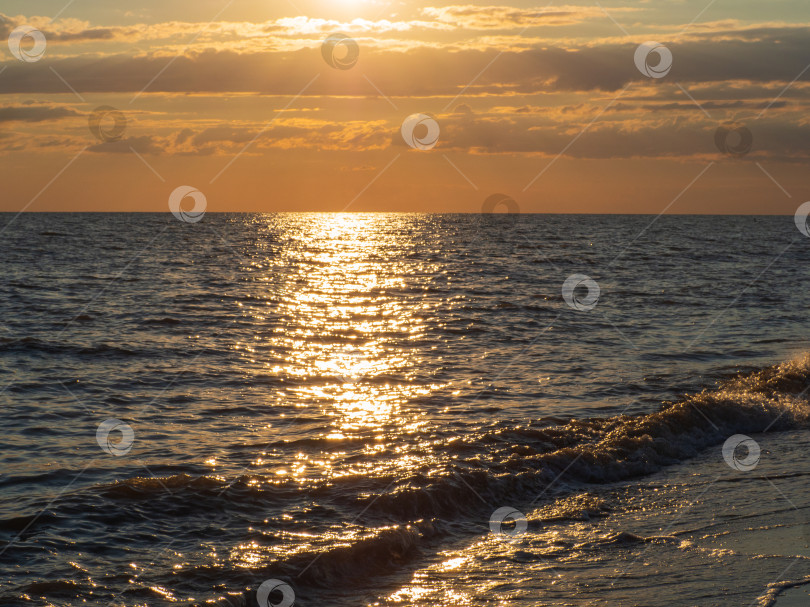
(394, 410)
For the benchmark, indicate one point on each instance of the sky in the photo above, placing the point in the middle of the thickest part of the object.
(545, 105)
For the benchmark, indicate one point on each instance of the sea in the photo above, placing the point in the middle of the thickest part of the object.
(389, 409)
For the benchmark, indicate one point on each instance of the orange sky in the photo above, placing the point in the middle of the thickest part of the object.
(546, 104)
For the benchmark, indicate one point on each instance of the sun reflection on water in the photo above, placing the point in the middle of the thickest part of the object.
(340, 283)
(341, 347)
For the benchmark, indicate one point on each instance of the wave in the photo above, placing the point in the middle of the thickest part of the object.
(383, 551)
(28, 345)
(166, 320)
(525, 462)
(546, 465)
(775, 589)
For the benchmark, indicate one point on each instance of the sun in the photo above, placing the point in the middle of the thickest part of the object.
(352, 4)
(347, 10)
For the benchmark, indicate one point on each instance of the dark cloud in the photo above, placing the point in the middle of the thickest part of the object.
(94, 34)
(674, 137)
(690, 105)
(759, 56)
(142, 144)
(35, 113)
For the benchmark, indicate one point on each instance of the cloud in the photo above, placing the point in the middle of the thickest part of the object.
(666, 130)
(74, 30)
(66, 30)
(298, 134)
(767, 56)
(32, 112)
(679, 135)
(446, 18)
(733, 72)
(143, 144)
(508, 17)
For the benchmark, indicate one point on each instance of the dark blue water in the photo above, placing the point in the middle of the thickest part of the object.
(338, 401)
